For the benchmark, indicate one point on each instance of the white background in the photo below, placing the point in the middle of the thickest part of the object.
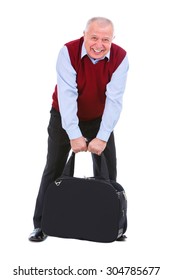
(31, 33)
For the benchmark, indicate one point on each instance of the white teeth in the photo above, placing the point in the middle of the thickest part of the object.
(97, 51)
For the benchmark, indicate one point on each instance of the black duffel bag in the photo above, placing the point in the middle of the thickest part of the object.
(93, 209)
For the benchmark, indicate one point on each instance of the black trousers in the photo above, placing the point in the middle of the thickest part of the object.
(58, 151)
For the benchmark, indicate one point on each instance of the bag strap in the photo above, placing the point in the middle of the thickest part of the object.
(70, 165)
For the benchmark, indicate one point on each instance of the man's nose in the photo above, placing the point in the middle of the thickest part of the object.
(99, 43)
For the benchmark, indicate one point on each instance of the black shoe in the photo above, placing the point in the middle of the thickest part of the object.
(37, 235)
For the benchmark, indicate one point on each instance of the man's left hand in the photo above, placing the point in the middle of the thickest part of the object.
(97, 146)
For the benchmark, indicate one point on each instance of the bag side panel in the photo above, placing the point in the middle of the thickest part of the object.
(83, 209)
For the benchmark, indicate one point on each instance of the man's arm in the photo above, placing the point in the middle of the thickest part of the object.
(114, 98)
(67, 97)
(113, 106)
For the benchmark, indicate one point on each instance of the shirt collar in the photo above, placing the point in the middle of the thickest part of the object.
(84, 52)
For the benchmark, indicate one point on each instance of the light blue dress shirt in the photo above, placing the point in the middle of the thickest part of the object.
(68, 94)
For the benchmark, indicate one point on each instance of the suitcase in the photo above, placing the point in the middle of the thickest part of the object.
(93, 209)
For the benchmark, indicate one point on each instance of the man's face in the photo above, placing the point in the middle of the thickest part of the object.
(98, 39)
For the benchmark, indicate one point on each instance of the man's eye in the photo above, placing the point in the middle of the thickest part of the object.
(94, 38)
(106, 40)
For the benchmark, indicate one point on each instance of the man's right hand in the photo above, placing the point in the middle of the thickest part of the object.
(78, 145)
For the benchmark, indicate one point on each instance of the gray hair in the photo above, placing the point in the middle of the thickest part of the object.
(101, 20)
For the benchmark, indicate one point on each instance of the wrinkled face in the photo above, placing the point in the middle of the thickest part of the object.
(98, 39)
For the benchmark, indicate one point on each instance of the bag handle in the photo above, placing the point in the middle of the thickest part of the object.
(70, 165)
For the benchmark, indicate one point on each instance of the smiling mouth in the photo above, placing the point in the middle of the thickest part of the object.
(97, 51)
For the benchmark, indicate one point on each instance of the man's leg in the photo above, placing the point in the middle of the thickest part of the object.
(58, 150)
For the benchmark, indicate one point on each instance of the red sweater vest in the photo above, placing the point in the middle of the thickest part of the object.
(91, 79)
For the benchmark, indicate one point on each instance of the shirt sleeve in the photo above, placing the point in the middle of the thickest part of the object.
(114, 97)
(67, 94)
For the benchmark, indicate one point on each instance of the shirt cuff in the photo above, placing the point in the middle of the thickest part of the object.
(103, 135)
(74, 133)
